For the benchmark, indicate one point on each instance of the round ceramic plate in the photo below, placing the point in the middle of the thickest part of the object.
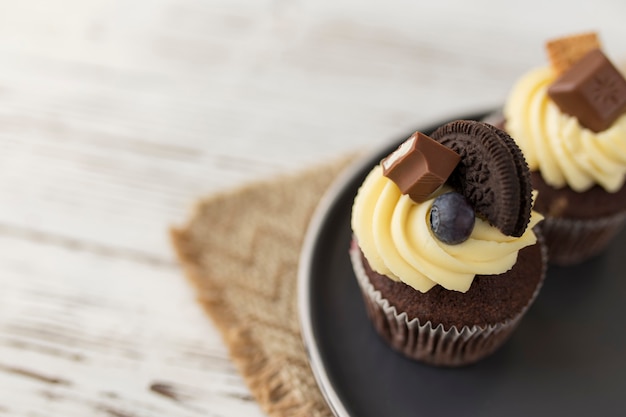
(567, 357)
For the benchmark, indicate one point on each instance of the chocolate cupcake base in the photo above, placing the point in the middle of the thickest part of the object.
(578, 226)
(447, 328)
(572, 241)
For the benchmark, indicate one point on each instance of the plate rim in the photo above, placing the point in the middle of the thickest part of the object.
(326, 203)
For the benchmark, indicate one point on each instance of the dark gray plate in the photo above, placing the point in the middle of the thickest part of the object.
(568, 356)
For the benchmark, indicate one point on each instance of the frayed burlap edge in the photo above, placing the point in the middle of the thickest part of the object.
(240, 251)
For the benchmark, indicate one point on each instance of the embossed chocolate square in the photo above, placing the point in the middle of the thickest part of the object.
(592, 90)
(419, 166)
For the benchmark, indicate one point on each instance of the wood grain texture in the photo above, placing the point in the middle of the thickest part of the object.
(116, 115)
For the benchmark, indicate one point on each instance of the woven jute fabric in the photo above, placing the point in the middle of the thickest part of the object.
(240, 250)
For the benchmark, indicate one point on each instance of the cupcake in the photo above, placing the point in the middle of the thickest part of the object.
(444, 247)
(569, 119)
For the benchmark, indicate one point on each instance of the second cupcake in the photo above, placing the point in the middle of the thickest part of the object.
(569, 119)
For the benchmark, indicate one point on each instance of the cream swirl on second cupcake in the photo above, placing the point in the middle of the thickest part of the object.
(395, 236)
(556, 145)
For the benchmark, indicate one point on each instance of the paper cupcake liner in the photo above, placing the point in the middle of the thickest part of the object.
(571, 241)
(428, 342)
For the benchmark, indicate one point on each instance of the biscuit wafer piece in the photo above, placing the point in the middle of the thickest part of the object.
(564, 52)
(492, 174)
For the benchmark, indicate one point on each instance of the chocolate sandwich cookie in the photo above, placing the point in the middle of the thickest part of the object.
(492, 174)
(525, 183)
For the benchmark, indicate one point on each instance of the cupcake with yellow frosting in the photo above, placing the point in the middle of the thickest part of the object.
(444, 246)
(569, 119)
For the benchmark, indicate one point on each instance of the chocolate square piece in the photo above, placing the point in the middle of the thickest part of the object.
(420, 166)
(592, 90)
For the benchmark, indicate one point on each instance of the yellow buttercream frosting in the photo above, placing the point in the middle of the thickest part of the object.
(555, 143)
(395, 236)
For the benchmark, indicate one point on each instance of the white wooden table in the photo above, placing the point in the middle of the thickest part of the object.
(116, 115)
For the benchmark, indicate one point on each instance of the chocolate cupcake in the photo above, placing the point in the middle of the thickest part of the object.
(569, 119)
(443, 246)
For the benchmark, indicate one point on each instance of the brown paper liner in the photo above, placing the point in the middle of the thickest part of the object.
(428, 342)
(571, 241)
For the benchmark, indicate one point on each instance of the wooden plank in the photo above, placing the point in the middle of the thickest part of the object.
(83, 333)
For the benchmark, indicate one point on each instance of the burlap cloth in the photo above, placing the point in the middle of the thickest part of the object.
(240, 250)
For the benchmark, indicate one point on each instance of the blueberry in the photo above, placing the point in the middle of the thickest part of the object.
(452, 218)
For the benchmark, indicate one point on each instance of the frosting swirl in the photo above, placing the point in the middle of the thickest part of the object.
(557, 145)
(395, 236)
